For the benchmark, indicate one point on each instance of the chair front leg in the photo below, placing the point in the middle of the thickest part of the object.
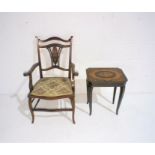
(31, 109)
(72, 99)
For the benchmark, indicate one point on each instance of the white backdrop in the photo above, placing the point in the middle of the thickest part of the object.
(125, 40)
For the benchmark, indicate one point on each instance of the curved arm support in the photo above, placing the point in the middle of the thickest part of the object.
(28, 73)
(74, 73)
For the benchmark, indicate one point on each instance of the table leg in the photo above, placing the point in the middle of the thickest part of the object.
(115, 88)
(122, 90)
(89, 96)
(87, 85)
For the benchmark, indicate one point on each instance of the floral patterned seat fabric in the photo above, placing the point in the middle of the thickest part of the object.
(52, 87)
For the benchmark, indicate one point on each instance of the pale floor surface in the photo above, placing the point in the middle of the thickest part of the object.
(135, 122)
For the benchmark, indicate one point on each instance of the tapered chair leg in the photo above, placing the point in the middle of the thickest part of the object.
(31, 110)
(73, 108)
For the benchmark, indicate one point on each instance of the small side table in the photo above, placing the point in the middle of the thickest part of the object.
(105, 77)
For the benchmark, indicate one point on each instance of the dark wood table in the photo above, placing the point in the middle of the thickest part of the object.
(105, 77)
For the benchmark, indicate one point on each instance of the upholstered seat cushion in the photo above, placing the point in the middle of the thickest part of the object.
(52, 87)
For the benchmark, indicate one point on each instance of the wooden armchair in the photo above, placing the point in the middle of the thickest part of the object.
(51, 88)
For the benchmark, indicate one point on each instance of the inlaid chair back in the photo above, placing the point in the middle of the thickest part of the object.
(55, 47)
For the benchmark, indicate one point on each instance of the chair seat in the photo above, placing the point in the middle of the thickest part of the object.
(52, 87)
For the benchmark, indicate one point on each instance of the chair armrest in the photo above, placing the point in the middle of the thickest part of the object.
(28, 73)
(74, 73)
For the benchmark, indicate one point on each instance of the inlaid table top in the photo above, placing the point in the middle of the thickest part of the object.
(106, 76)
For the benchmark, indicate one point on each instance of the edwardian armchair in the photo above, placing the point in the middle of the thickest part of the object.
(54, 87)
